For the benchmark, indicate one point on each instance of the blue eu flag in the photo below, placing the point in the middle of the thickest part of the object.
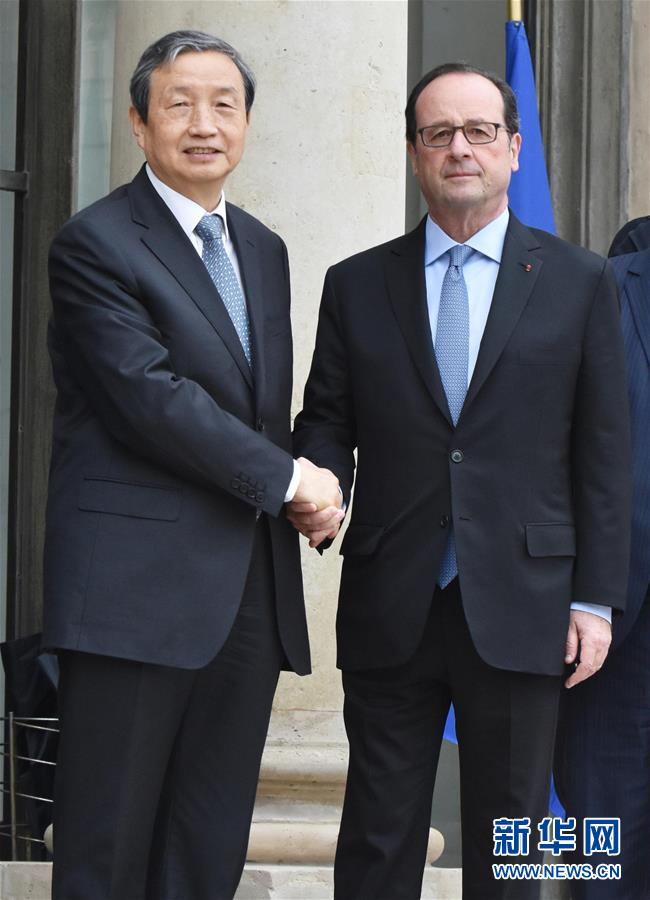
(529, 194)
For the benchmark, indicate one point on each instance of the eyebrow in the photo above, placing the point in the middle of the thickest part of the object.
(445, 122)
(186, 89)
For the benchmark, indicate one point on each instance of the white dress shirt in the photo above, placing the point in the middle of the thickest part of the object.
(188, 214)
(480, 270)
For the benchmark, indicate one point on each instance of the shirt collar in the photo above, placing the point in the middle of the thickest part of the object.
(488, 241)
(186, 211)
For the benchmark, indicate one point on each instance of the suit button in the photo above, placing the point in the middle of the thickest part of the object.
(243, 489)
(259, 497)
(456, 456)
(252, 494)
(260, 424)
(444, 521)
(235, 483)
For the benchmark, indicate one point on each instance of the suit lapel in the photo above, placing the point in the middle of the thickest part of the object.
(637, 289)
(518, 273)
(407, 292)
(249, 266)
(167, 241)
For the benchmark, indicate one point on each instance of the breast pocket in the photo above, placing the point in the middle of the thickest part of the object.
(547, 355)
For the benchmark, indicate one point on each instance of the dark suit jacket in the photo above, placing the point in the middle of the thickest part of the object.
(535, 476)
(633, 276)
(166, 446)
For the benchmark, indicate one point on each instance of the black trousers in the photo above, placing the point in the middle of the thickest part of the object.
(158, 766)
(602, 764)
(395, 719)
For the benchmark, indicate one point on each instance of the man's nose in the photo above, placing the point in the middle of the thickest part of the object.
(204, 120)
(459, 145)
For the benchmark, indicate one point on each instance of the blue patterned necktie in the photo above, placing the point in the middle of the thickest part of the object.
(210, 230)
(452, 355)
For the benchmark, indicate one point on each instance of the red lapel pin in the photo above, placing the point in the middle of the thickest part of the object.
(527, 267)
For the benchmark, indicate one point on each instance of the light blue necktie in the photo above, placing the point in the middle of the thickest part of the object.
(210, 230)
(452, 355)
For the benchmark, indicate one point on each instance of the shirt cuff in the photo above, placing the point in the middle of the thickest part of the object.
(605, 612)
(293, 484)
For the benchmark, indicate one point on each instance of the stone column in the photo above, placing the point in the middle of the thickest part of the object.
(582, 51)
(639, 110)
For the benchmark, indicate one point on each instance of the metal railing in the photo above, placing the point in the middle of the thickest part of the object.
(19, 831)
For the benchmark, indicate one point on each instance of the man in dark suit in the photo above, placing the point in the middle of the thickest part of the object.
(633, 236)
(477, 368)
(172, 578)
(602, 766)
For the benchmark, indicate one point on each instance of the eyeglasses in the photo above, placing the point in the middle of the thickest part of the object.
(476, 133)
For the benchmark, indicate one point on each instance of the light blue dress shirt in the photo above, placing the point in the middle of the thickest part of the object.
(480, 271)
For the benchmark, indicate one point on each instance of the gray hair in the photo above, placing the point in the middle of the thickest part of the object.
(165, 50)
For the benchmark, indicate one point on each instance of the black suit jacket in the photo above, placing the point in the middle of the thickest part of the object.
(166, 446)
(632, 273)
(535, 476)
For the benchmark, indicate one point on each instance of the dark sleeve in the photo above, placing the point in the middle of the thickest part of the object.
(601, 457)
(118, 356)
(324, 431)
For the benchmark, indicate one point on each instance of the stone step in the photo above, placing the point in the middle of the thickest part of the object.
(325, 762)
(31, 881)
(308, 843)
(315, 883)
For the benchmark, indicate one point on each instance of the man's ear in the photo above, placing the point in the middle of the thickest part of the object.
(410, 149)
(137, 126)
(515, 149)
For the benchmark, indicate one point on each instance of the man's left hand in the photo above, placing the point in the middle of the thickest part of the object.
(315, 524)
(588, 640)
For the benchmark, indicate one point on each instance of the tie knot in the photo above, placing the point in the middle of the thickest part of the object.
(459, 254)
(210, 228)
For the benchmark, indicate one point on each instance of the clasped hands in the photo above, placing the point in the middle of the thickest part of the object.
(315, 510)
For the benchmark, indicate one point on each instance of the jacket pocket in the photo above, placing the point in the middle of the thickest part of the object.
(361, 540)
(550, 539)
(123, 498)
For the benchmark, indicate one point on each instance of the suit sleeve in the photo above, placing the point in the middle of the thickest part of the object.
(117, 353)
(325, 431)
(601, 456)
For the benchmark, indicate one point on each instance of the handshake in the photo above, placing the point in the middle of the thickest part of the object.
(315, 510)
